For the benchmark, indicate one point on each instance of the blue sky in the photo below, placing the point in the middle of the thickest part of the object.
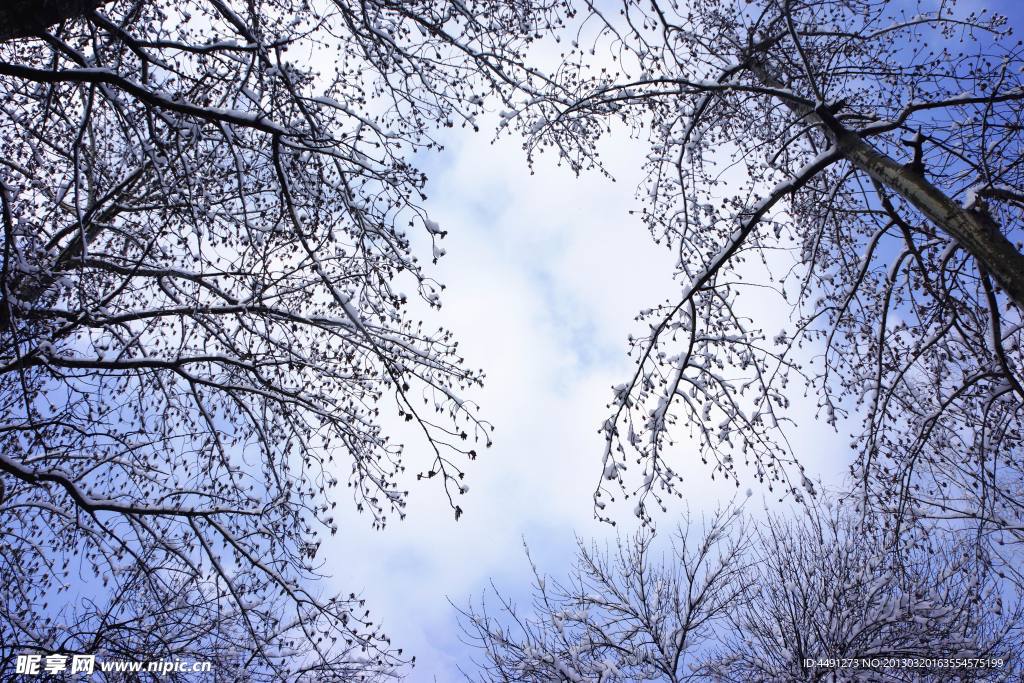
(544, 275)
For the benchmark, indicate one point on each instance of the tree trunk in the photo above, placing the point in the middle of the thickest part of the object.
(973, 230)
(23, 18)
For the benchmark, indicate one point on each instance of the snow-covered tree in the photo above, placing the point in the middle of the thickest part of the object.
(869, 154)
(830, 585)
(753, 601)
(632, 614)
(208, 214)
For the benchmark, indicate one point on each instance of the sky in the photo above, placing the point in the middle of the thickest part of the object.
(544, 273)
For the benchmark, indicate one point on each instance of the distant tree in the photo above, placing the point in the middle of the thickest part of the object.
(869, 152)
(832, 586)
(207, 221)
(629, 615)
(751, 601)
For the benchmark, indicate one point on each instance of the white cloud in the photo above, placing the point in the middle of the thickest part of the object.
(545, 273)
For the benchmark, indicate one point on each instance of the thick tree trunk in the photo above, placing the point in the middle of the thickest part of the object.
(23, 18)
(973, 230)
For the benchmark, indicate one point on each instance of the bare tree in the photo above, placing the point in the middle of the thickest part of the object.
(869, 153)
(865, 158)
(754, 601)
(150, 616)
(631, 615)
(207, 215)
(833, 586)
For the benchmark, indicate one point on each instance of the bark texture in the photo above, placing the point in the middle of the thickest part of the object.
(974, 230)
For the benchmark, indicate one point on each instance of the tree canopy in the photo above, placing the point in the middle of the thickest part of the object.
(208, 214)
(212, 232)
(869, 154)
